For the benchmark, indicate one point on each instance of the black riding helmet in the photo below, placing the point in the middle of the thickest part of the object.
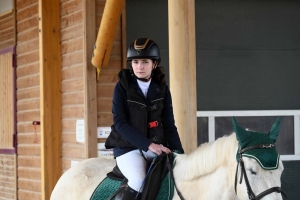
(143, 48)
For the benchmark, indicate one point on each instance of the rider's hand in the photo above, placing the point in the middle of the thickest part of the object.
(158, 148)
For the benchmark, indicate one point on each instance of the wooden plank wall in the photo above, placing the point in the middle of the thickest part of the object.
(7, 30)
(72, 79)
(7, 177)
(28, 92)
(28, 100)
(7, 162)
(108, 77)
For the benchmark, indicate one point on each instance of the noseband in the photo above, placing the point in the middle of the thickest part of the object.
(250, 192)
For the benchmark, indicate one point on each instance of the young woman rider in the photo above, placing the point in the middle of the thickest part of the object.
(143, 115)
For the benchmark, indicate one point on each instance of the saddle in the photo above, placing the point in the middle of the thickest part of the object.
(159, 170)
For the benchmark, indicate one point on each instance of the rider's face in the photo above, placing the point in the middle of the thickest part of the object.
(142, 68)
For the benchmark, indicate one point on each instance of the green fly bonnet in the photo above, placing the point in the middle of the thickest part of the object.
(268, 158)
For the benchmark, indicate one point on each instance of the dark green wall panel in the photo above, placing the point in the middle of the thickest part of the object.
(248, 55)
(248, 52)
(248, 79)
(290, 179)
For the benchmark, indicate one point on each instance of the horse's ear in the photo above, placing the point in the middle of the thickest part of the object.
(274, 132)
(241, 133)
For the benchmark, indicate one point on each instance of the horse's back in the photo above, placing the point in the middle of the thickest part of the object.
(80, 181)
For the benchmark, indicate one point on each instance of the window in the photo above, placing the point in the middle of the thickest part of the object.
(6, 6)
(7, 101)
(214, 124)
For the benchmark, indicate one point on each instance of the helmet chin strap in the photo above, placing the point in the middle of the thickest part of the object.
(144, 79)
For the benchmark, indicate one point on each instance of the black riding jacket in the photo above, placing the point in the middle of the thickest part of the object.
(134, 114)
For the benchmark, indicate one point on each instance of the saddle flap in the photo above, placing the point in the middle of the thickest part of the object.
(116, 174)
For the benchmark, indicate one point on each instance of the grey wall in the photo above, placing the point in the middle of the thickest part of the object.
(149, 19)
(290, 179)
(248, 52)
(248, 56)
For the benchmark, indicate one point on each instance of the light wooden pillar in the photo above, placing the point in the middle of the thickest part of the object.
(182, 57)
(107, 31)
(50, 94)
(90, 84)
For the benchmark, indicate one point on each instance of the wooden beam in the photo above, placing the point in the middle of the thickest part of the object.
(90, 84)
(107, 31)
(123, 32)
(50, 94)
(182, 55)
(4, 14)
(15, 23)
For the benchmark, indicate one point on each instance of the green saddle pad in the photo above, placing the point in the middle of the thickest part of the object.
(109, 186)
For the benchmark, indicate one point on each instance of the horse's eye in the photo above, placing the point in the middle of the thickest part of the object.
(252, 172)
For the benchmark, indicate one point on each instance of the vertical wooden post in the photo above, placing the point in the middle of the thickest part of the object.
(123, 35)
(183, 69)
(50, 94)
(107, 31)
(90, 85)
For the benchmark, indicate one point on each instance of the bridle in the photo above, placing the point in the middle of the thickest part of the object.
(250, 192)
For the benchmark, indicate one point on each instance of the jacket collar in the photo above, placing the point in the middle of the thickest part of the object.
(154, 89)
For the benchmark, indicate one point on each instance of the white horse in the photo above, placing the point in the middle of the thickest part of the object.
(208, 173)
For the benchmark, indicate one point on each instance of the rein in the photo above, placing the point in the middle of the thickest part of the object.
(169, 166)
(250, 192)
(172, 177)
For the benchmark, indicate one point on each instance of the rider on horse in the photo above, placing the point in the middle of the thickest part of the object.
(144, 124)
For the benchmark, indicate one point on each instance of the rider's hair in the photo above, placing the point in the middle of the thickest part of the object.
(158, 74)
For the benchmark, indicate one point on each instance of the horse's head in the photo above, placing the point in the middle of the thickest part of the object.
(259, 168)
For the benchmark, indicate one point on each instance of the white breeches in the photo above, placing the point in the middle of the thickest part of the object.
(133, 167)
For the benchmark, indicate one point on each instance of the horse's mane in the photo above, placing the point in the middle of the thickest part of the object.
(207, 158)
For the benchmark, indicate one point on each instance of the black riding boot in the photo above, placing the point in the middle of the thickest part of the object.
(128, 194)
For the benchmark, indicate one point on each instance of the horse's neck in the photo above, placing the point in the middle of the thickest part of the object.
(206, 158)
